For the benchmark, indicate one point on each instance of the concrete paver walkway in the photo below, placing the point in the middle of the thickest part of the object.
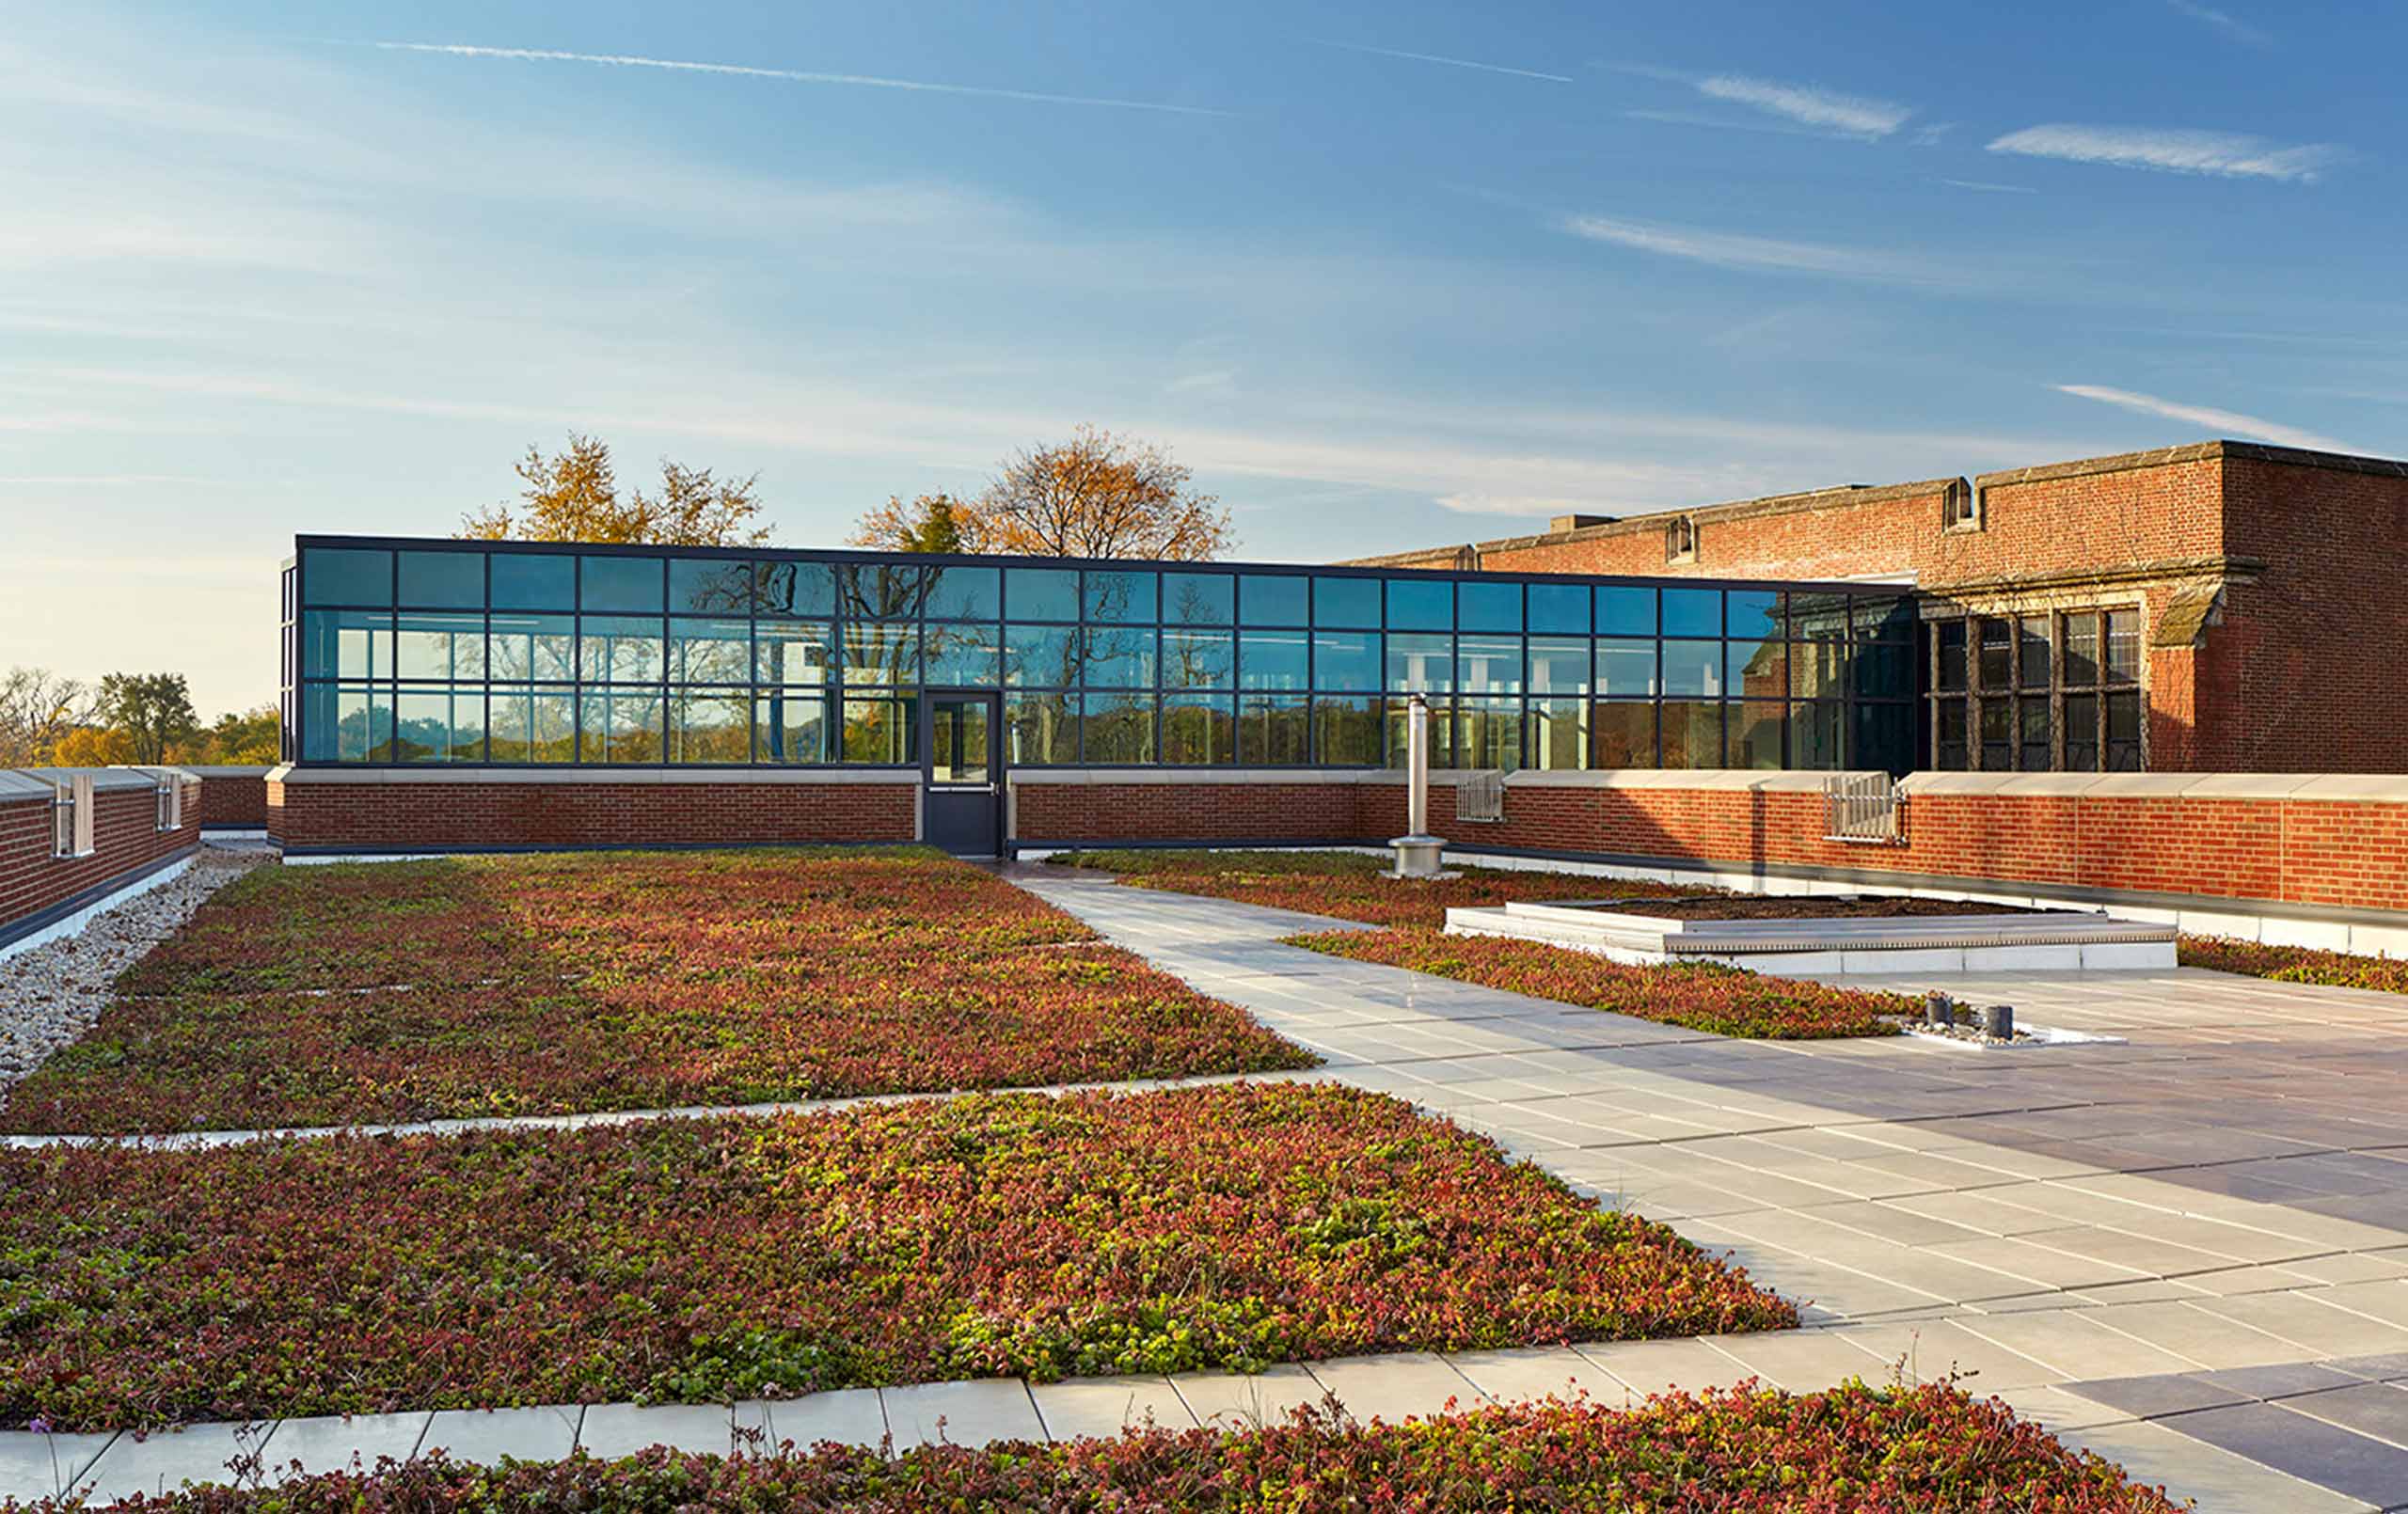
(2114, 1238)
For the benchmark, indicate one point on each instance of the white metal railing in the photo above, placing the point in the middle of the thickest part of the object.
(72, 818)
(1481, 795)
(1862, 807)
(169, 794)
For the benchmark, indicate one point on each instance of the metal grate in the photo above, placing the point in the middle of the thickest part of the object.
(1481, 795)
(1864, 808)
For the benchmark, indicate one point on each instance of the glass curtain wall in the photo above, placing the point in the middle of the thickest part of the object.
(465, 654)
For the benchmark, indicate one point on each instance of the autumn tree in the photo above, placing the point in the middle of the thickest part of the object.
(38, 709)
(574, 496)
(154, 710)
(94, 746)
(931, 523)
(1099, 495)
(239, 739)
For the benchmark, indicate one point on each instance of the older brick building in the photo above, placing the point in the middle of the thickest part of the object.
(2218, 607)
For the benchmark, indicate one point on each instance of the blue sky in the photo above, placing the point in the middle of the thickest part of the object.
(1385, 275)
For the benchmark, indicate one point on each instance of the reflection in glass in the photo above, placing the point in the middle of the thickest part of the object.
(793, 655)
(444, 648)
(1198, 729)
(878, 729)
(803, 588)
(1042, 594)
(1692, 612)
(1045, 657)
(1758, 728)
(1273, 659)
(1423, 663)
(1814, 735)
(1119, 657)
(1272, 599)
(531, 725)
(443, 580)
(1200, 660)
(1561, 667)
(346, 576)
(618, 726)
(1347, 602)
(1442, 732)
(710, 728)
(1755, 670)
(1199, 599)
(1273, 730)
(1346, 730)
(880, 591)
(1622, 612)
(438, 725)
(1819, 669)
(1039, 730)
(1415, 605)
(1692, 734)
(1489, 664)
(880, 654)
(1560, 609)
(1346, 659)
(618, 650)
(2082, 732)
(790, 728)
(961, 751)
(1692, 667)
(1120, 598)
(710, 652)
(965, 594)
(1558, 734)
(1626, 667)
(1119, 728)
(531, 580)
(1489, 606)
(623, 586)
(347, 643)
(966, 655)
(1489, 733)
(710, 586)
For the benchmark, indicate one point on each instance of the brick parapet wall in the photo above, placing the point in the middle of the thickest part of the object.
(232, 799)
(470, 811)
(127, 841)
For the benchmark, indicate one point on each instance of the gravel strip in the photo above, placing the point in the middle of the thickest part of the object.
(55, 992)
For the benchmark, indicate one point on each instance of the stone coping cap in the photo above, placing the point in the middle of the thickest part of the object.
(16, 786)
(104, 780)
(1746, 778)
(672, 777)
(227, 770)
(2361, 788)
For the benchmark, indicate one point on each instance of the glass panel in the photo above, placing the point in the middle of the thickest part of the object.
(1042, 594)
(617, 650)
(1489, 664)
(1347, 602)
(710, 652)
(880, 591)
(710, 586)
(1044, 655)
(792, 654)
(2082, 651)
(346, 576)
(878, 729)
(960, 742)
(1627, 668)
(439, 725)
(965, 593)
(443, 580)
(1754, 614)
(1400, 724)
(533, 726)
(2123, 648)
(1038, 730)
(710, 728)
(790, 728)
(1415, 605)
(618, 726)
(1425, 664)
(1818, 617)
(1692, 734)
(629, 586)
(1885, 738)
(1560, 609)
(1562, 667)
(1952, 655)
(1346, 731)
(1692, 612)
(1272, 730)
(1997, 724)
(1884, 670)
(1346, 659)
(1998, 655)
(1198, 729)
(1560, 733)
(878, 653)
(1754, 670)
(2032, 655)
(1818, 670)
(1489, 733)
(1199, 599)
(1119, 728)
(346, 643)
(539, 649)
(1692, 667)
(1488, 607)
(1757, 727)
(350, 725)
(2123, 734)
(1814, 735)
(1623, 733)
(1886, 619)
(1626, 612)
(2034, 754)
(1951, 727)
(447, 647)
(1122, 598)
(531, 580)
(1272, 599)
(1200, 660)
(966, 655)
(1273, 659)
(785, 587)
(1121, 657)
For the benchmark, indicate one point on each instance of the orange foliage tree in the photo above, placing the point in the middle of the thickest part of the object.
(1095, 495)
(574, 496)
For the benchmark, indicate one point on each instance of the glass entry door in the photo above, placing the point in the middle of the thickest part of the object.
(962, 773)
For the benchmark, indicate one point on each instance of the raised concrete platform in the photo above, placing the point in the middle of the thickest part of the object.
(2042, 941)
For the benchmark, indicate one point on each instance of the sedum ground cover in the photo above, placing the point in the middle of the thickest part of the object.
(583, 982)
(1233, 1225)
(1849, 1450)
(1349, 884)
(1702, 996)
(2293, 964)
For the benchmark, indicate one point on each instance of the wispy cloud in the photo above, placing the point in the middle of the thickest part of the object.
(1725, 249)
(2223, 154)
(865, 80)
(1825, 109)
(1986, 187)
(2224, 22)
(1450, 62)
(2222, 422)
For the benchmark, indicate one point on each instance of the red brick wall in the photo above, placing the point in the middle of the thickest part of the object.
(368, 817)
(1302, 812)
(125, 837)
(234, 800)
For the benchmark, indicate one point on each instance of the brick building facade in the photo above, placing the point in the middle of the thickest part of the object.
(2223, 606)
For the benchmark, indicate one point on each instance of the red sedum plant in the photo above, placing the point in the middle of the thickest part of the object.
(1744, 1450)
(699, 1260)
(1350, 885)
(2294, 964)
(1703, 995)
(564, 984)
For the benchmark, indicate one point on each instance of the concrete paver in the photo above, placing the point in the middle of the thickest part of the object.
(336, 1442)
(1106, 1405)
(542, 1433)
(35, 1465)
(977, 1412)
